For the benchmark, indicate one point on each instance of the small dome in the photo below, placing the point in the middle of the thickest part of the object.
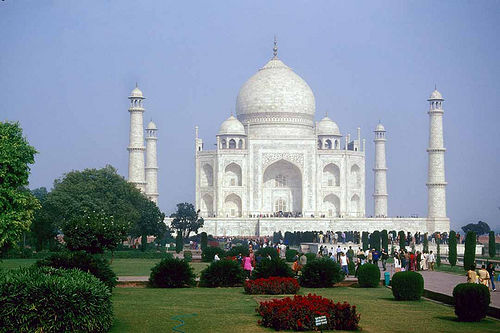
(136, 92)
(328, 127)
(380, 128)
(151, 126)
(436, 95)
(232, 126)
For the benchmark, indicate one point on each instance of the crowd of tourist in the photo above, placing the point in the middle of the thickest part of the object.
(485, 275)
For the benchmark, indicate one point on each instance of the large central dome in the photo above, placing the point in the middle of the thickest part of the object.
(276, 98)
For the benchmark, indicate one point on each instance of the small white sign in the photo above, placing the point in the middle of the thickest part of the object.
(320, 320)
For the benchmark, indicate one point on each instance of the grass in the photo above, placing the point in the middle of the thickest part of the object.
(122, 267)
(230, 310)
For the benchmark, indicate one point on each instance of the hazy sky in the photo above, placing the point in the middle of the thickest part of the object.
(67, 67)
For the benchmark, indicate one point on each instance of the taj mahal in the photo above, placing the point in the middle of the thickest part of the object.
(275, 169)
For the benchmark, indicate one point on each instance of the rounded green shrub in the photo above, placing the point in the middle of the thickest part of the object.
(172, 273)
(188, 256)
(264, 251)
(369, 276)
(321, 273)
(234, 251)
(290, 255)
(45, 299)
(223, 273)
(93, 264)
(407, 286)
(311, 257)
(471, 301)
(208, 254)
(274, 267)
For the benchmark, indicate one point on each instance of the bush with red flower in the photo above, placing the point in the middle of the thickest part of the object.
(298, 313)
(272, 286)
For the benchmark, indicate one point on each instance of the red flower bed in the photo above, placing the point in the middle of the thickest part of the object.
(272, 286)
(298, 313)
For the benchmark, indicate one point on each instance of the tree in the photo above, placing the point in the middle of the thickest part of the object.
(150, 221)
(385, 240)
(364, 240)
(426, 243)
(402, 239)
(94, 232)
(101, 198)
(375, 240)
(43, 230)
(492, 247)
(179, 242)
(203, 241)
(186, 219)
(452, 248)
(470, 250)
(17, 204)
(480, 228)
(438, 252)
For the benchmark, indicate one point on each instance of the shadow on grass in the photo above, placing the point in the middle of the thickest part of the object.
(447, 318)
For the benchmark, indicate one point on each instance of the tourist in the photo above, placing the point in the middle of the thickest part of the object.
(418, 260)
(423, 261)
(240, 259)
(491, 271)
(247, 266)
(369, 256)
(296, 266)
(339, 250)
(303, 260)
(333, 257)
(344, 262)
(397, 263)
(375, 256)
(216, 257)
(471, 274)
(350, 254)
(384, 257)
(431, 260)
(484, 276)
(258, 259)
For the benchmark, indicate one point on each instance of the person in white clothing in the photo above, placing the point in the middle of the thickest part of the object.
(216, 257)
(344, 263)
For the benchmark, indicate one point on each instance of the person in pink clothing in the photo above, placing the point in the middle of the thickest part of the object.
(247, 265)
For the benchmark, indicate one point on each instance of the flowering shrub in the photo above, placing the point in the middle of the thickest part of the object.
(298, 313)
(272, 286)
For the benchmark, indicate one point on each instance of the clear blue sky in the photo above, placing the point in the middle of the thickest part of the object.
(67, 67)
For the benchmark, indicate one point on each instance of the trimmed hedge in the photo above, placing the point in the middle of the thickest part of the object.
(274, 267)
(290, 255)
(369, 276)
(188, 255)
(407, 286)
(298, 314)
(272, 286)
(97, 266)
(321, 273)
(452, 248)
(470, 250)
(264, 251)
(208, 254)
(172, 273)
(44, 299)
(311, 257)
(223, 273)
(234, 251)
(471, 301)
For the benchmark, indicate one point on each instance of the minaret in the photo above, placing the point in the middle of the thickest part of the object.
(436, 184)
(136, 141)
(151, 163)
(380, 172)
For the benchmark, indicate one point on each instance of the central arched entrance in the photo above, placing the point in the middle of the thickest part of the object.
(282, 188)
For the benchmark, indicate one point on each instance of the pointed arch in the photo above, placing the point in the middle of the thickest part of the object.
(232, 205)
(232, 175)
(331, 205)
(282, 179)
(331, 175)
(207, 175)
(356, 175)
(355, 205)
(207, 205)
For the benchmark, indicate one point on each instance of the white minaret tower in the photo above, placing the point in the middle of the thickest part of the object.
(436, 184)
(151, 163)
(136, 141)
(380, 172)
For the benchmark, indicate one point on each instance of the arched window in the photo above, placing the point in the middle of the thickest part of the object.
(280, 205)
(356, 175)
(320, 145)
(280, 181)
(232, 144)
(207, 175)
(328, 144)
(240, 144)
(331, 175)
(337, 144)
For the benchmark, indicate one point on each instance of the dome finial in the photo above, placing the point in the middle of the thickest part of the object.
(136, 84)
(275, 48)
(326, 113)
(435, 87)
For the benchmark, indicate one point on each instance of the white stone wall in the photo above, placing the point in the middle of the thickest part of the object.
(252, 227)
(136, 174)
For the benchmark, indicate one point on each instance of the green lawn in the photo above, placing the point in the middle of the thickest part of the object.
(122, 267)
(230, 310)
